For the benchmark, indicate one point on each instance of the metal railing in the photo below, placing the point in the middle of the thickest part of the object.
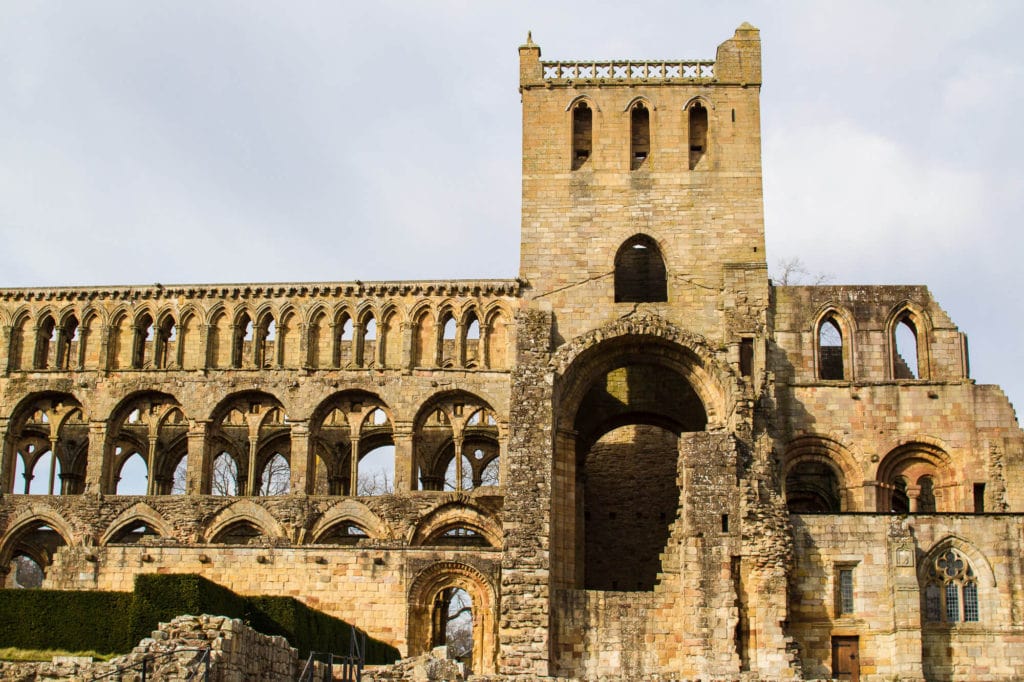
(200, 666)
(351, 665)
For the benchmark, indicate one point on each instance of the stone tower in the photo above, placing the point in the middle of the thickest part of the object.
(642, 183)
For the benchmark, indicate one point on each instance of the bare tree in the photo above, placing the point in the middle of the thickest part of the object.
(377, 482)
(459, 625)
(792, 271)
(276, 478)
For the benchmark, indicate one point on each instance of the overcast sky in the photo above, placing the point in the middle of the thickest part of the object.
(243, 141)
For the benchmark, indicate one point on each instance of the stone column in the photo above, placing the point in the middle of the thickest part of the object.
(358, 343)
(303, 459)
(460, 345)
(250, 474)
(53, 465)
(353, 461)
(407, 348)
(198, 468)
(484, 346)
(151, 488)
(457, 442)
(405, 465)
(97, 466)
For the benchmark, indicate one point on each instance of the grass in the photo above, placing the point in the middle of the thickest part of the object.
(14, 654)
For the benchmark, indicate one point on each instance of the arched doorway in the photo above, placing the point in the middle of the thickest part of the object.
(622, 407)
(454, 604)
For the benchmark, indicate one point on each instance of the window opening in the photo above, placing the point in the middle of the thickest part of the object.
(225, 476)
(582, 134)
(698, 133)
(905, 360)
(640, 135)
(179, 477)
(133, 478)
(830, 350)
(979, 498)
(26, 572)
(951, 593)
(746, 356)
(377, 472)
(845, 591)
(900, 499)
(640, 272)
(276, 477)
(926, 495)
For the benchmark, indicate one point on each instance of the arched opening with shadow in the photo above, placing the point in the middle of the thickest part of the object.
(29, 549)
(627, 402)
(813, 486)
(640, 272)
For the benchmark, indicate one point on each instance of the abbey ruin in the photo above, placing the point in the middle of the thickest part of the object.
(640, 459)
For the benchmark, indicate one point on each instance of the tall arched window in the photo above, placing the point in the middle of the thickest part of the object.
(582, 134)
(951, 590)
(830, 350)
(640, 272)
(905, 355)
(639, 135)
(698, 133)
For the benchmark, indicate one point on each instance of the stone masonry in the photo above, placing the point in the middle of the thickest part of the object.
(640, 460)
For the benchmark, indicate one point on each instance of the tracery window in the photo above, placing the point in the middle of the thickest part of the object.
(951, 590)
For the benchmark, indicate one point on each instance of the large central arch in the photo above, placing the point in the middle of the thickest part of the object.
(622, 402)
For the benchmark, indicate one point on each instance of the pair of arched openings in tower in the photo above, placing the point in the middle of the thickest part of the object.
(834, 357)
(639, 133)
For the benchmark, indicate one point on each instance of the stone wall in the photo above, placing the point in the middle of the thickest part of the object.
(237, 653)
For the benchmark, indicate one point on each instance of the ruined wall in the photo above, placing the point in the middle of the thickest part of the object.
(871, 423)
(889, 558)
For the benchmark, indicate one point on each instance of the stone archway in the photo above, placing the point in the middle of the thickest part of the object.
(432, 583)
(623, 401)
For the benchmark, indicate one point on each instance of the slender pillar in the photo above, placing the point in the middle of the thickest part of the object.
(198, 469)
(250, 479)
(150, 467)
(53, 465)
(303, 465)
(458, 462)
(353, 480)
(405, 465)
(97, 466)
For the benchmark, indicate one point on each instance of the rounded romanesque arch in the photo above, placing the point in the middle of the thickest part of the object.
(820, 475)
(334, 524)
(917, 476)
(457, 523)
(139, 519)
(37, 533)
(242, 513)
(626, 397)
(447, 430)
(429, 606)
(47, 430)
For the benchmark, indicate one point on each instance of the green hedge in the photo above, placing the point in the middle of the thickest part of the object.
(161, 597)
(66, 620)
(51, 619)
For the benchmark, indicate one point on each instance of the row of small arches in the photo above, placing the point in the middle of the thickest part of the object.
(470, 337)
(247, 446)
(640, 139)
(41, 536)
